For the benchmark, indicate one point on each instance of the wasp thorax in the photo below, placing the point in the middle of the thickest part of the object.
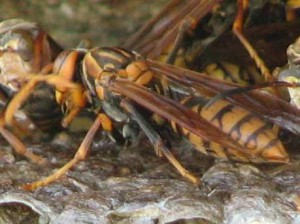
(139, 72)
(91, 66)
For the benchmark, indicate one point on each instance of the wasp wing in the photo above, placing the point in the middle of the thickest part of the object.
(264, 104)
(152, 38)
(173, 111)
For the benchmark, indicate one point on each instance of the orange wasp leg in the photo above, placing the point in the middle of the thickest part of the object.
(19, 147)
(238, 31)
(157, 142)
(81, 154)
(22, 95)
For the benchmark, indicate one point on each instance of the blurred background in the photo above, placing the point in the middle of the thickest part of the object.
(104, 22)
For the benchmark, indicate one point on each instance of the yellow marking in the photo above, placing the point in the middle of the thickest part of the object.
(218, 150)
(248, 129)
(158, 119)
(230, 119)
(209, 112)
(233, 72)
(125, 53)
(110, 55)
(214, 71)
(134, 69)
(109, 65)
(276, 154)
(145, 78)
(59, 97)
(264, 138)
(67, 69)
(138, 72)
(173, 125)
(100, 92)
(91, 66)
(106, 123)
(197, 142)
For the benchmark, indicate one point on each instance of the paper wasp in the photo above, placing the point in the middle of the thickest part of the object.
(119, 80)
(214, 18)
(211, 49)
(24, 49)
(183, 31)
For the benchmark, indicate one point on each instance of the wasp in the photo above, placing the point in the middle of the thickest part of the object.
(206, 22)
(118, 82)
(198, 40)
(288, 73)
(184, 33)
(25, 49)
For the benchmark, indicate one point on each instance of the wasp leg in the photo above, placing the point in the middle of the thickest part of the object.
(20, 130)
(157, 142)
(22, 95)
(18, 146)
(187, 25)
(237, 30)
(81, 154)
(46, 69)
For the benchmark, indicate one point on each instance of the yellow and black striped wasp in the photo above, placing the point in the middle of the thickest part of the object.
(119, 83)
(199, 35)
(201, 41)
(267, 22)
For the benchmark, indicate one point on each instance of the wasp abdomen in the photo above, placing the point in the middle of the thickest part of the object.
(233, 73)
(258, 138)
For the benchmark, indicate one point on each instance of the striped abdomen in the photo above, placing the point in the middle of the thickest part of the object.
(259, 139)
(233, 73)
